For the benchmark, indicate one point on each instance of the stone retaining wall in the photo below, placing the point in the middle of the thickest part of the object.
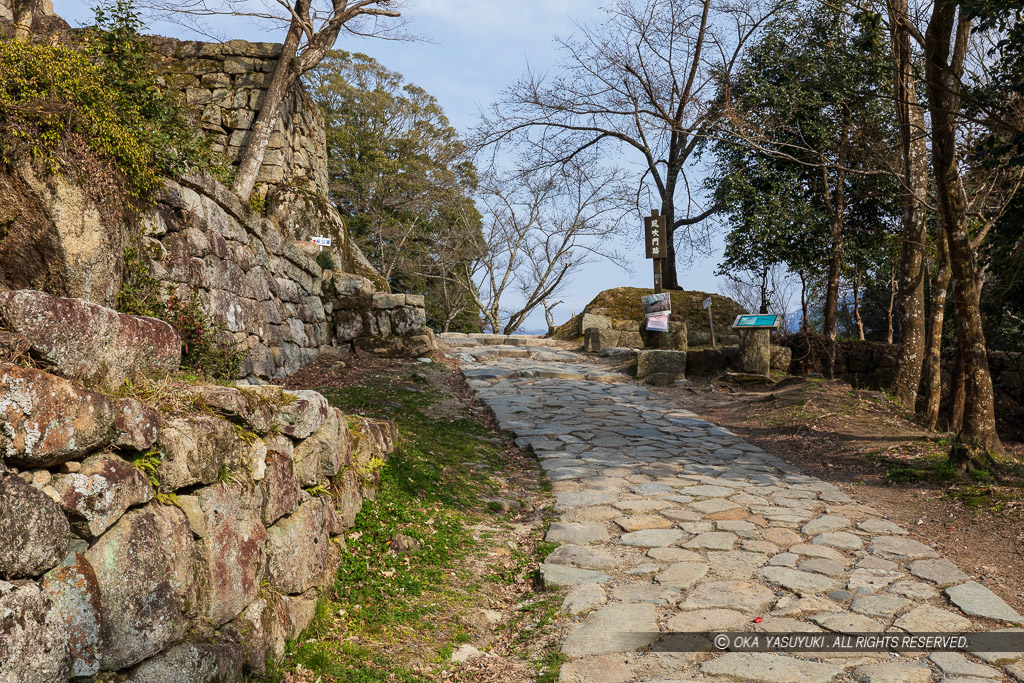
(184, 537)
(872, 365)
(226, 83)
(266, 287)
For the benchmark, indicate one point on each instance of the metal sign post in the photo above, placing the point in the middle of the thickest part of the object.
(711, 322)
(656, 240)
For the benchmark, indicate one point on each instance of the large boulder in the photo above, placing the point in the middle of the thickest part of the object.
(146, 571)
(262, 629)
(781, 358)
(31, 650)
(230, 549)
(302, 413)
(675, 339)
(652, 362)
(72, 595)
(89, 343)
(591, 321)
(324, 451)
(412, 346)
(597, 339)
(33, 530)
(219, 662)
(100, 492)
(256, 407)
(136, 425)
(48, 420)
(299, 555)
(57, 237)
(279, 487)
(197, 448)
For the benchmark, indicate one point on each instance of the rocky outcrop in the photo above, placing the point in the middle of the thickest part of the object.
(34, 532)
(193, 550)
(91, 344)
(57, 237)
(46, 420)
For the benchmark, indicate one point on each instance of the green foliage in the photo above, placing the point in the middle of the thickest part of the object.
(325, 260)
(813, 96)
(203, 347)
(58, 103)
(1002, 298)
(402, 177)
(427, 492)
(258, 202)
(999, 96)
(174, 141)
(140, 291)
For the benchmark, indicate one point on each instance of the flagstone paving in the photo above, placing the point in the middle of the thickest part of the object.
(670, 524)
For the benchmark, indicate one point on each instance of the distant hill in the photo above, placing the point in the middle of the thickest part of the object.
(624, 303)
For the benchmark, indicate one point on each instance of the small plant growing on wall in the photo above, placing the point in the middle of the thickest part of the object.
(325, 260)
(203, 348)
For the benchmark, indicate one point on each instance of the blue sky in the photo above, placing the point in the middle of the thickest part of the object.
(472, 50)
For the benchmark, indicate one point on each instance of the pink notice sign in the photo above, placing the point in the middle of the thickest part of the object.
(658, 322)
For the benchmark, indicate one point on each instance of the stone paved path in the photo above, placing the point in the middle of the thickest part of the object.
(668, 523)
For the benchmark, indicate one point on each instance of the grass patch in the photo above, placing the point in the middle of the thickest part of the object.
(391, 617)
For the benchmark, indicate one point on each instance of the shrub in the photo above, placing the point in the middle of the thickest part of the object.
(325, 260)
(57, 102)
(140, 291)
(202, 347)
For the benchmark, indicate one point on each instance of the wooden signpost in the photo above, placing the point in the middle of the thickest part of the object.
(656, 240)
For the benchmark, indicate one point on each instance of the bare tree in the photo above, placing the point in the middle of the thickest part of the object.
(540, 227)
(313, 29)
(642, 82)
(549, 313)
(771, 290)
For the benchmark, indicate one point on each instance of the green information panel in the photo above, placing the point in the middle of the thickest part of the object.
(758, 321)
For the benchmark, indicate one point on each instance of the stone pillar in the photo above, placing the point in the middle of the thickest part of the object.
(755, 351)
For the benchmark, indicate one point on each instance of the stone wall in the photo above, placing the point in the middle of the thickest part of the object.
(872, 365)
(266, 287)
(603, 331)
(226, 83)
(254, 270)
(180, 540)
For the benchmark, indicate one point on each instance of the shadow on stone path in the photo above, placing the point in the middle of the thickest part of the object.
(670, 524)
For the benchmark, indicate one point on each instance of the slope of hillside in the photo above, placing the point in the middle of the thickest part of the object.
(624, 303)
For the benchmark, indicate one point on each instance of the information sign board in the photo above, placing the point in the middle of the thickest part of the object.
(757, 321)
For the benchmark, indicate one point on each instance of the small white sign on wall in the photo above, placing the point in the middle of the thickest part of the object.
(322, 241)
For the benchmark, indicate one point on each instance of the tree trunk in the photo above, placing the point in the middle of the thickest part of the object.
(669, 273)
(910, 115)
(286, 75)
(24, 11)
(892, 304)
(856, 303)
(933, 355)
(806, 322)
(957, 395)
(977, 439)
(835, 264)
(763, 310)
